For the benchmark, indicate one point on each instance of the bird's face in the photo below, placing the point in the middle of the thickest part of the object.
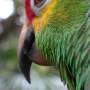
(38, 13)
(63, 14)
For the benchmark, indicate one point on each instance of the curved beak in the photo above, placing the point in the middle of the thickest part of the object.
(24, 49)
(28, 52)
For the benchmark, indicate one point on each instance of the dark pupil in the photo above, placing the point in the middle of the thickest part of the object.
(38, 1)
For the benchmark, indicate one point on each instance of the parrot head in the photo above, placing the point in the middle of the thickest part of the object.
(37, 12)
(39, 37)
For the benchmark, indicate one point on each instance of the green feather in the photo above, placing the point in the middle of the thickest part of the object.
(66, 42)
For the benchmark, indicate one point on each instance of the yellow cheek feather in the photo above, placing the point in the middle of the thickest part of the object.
(42, 20)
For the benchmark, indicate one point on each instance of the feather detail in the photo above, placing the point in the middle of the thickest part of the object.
(67, 45)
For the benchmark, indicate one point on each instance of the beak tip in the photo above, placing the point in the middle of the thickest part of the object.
(28, 80)
(25, 69)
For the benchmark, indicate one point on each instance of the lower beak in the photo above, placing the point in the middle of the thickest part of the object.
(25, 61)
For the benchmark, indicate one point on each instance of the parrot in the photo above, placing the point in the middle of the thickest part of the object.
(57, 33)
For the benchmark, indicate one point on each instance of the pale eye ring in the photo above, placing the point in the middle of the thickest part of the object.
(38, 5)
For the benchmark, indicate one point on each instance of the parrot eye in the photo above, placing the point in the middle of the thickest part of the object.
(39, 3)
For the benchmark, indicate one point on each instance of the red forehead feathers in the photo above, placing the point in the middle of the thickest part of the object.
(29, 13)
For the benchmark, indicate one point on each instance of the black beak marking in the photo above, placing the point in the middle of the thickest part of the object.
(25, 61)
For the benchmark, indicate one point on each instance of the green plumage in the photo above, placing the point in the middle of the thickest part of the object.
(65, 42)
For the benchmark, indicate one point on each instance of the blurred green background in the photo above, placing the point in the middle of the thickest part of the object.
(42, 78)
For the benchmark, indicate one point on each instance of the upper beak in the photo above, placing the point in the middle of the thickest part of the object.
(28, 52)
(25, 60)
